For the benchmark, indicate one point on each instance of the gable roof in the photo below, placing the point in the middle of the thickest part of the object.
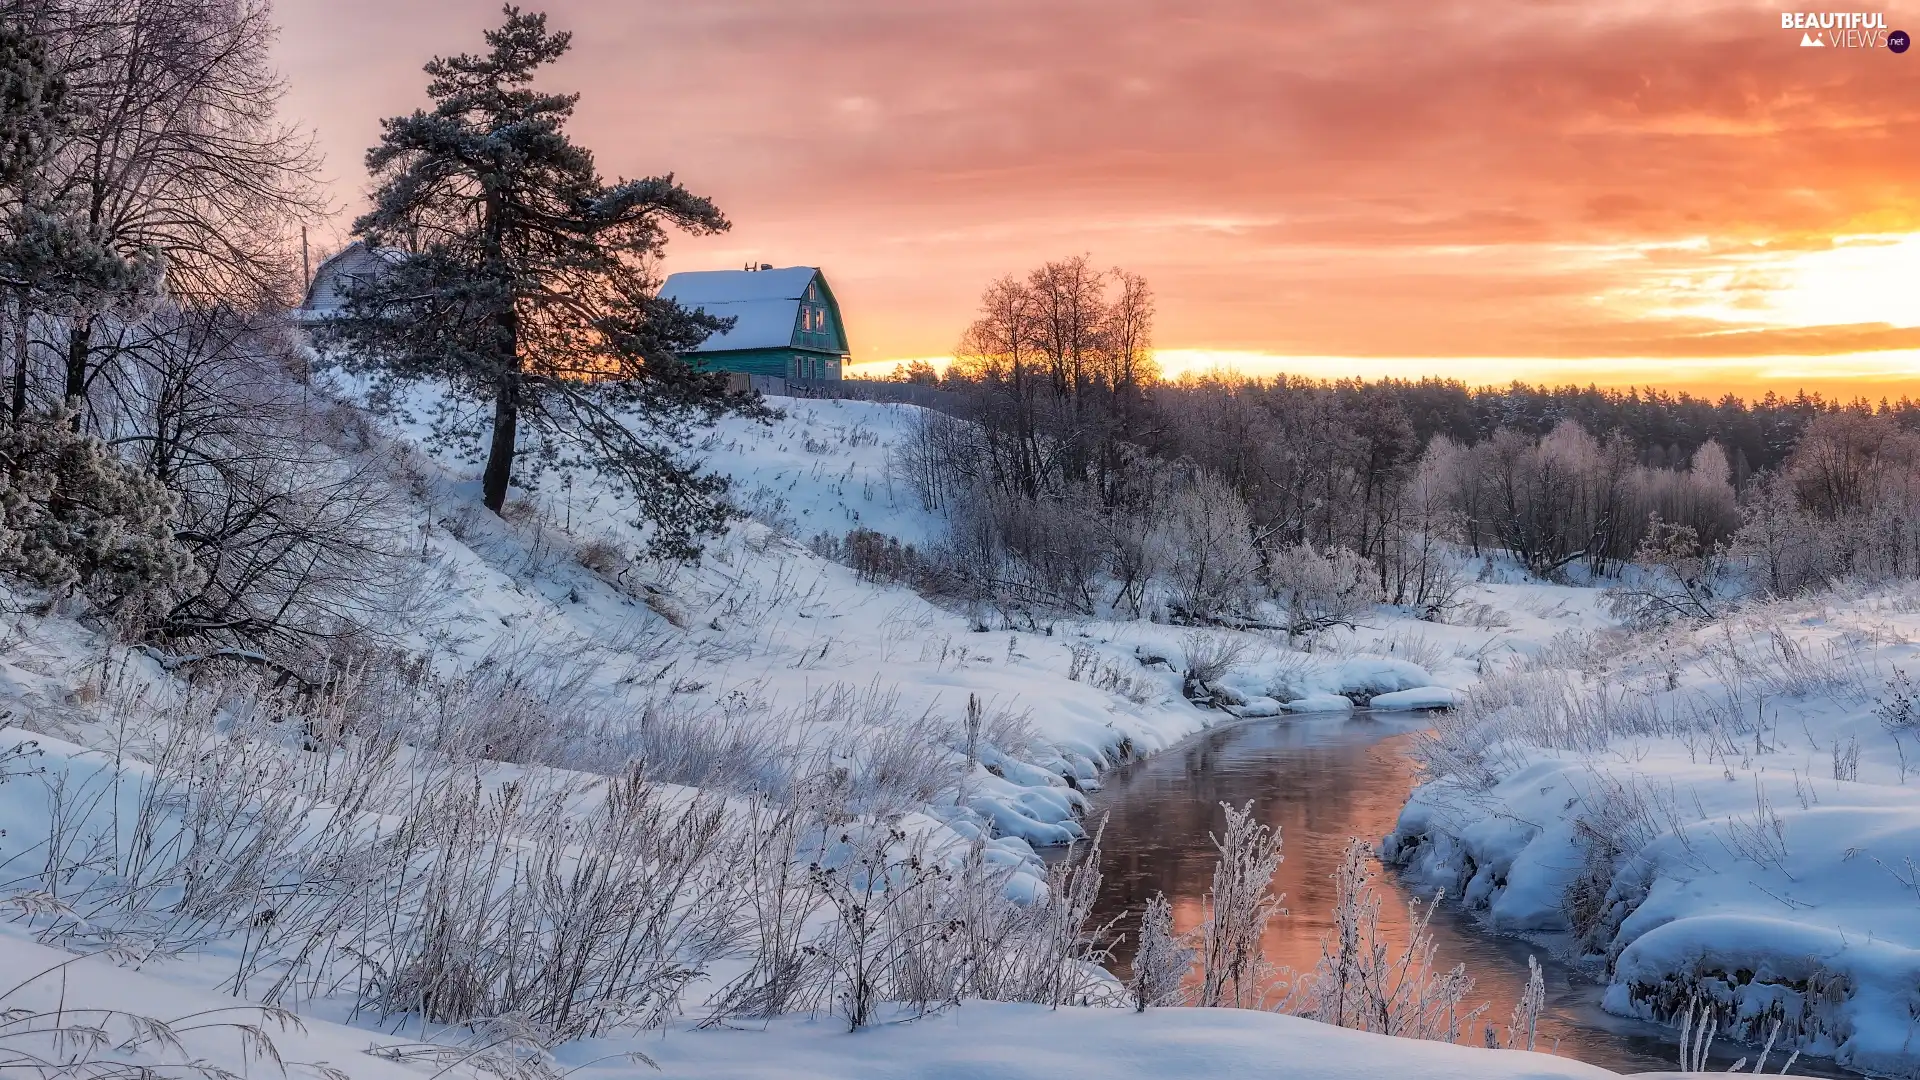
(326, 293)
(764, 304)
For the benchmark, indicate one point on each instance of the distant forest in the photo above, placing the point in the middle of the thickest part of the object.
(1665, 427)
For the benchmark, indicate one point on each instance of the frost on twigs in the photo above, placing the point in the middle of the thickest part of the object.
(1363, 982)
(1233, 969)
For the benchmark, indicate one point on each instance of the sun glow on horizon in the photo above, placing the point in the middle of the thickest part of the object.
(1888, 373)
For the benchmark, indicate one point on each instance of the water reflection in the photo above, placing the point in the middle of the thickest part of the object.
(1321, 781)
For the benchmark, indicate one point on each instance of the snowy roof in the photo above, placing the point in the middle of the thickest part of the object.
(701, 287)
(764, 304)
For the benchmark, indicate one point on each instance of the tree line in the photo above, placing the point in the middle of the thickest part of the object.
(1078, 478)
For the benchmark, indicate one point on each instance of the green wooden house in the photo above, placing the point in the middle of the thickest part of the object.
(786, 322)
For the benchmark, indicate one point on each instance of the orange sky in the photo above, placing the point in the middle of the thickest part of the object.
(1628, 192)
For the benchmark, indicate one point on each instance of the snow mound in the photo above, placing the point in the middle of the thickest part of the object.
(1321, 703)
(1030, 1042)
(1420, 697)
(1714, 813)
(1368, 676)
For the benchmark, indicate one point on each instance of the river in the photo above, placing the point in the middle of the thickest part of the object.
(1321, 780)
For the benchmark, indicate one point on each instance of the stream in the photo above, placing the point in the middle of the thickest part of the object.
(1321, 780)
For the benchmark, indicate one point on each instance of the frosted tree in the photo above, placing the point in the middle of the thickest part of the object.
(1321, 590)
(48, 260)
(1233, 971)
(1162, 960)
(169, 162)
(527, 287)
(76, 519)
(1207, 549)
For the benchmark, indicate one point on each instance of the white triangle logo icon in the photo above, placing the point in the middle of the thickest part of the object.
(1808, 41)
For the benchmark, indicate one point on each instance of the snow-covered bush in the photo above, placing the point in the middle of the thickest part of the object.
(1321, 590)
(1233, 969)
(906, 925)
(1208, 554)
(1021, 552)
(1161, 960)
(75, 519)
(1363, 982)
(1899, 708)
(1674, 576)
(1210, 658)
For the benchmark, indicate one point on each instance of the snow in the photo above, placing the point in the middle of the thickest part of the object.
(765, 304)
(764, 627)
(1320, 703)
(1377, 675)
(1028, 1042)
(976, 1039)
(693, 287)
(1420, 697)
(1755, 821)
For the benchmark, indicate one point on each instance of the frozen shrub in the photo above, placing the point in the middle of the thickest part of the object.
(1526, 1012)
(1210, 657)
(1362, 982)
(1899, 710)
(603, 556)
(1675, 576)
(1321, 589)
(881, 890)
(76, 519)
(1232, 970)
(1162, 960)
(876, 556)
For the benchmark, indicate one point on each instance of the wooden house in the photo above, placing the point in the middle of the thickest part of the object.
(786, 321)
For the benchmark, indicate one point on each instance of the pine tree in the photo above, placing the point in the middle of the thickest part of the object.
(525, 284)
(76, 519)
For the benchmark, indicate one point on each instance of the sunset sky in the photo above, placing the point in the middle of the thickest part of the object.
(1665, 192)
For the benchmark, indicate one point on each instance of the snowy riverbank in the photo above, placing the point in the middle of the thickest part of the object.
(1720, 814)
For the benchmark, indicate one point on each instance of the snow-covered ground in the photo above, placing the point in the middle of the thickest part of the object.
(765, 645)
(1718, 813)
(978, 1041)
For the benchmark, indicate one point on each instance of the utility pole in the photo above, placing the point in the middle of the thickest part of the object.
(306, 269)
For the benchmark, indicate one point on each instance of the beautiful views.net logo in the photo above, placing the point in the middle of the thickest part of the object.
(1844, 30)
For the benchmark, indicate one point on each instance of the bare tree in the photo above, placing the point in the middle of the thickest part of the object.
(179, 158)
